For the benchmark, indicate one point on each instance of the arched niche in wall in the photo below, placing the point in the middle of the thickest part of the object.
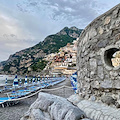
(107, 56)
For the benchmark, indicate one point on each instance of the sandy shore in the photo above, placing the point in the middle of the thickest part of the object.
(17, 111)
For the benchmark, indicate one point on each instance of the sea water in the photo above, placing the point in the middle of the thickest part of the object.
(9, 78)
(4, 77)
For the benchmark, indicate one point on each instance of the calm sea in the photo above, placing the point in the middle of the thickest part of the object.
(9, 78)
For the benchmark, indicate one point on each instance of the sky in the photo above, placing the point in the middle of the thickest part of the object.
(24, 23)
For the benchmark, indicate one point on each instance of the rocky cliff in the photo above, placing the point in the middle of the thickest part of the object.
(26, 60)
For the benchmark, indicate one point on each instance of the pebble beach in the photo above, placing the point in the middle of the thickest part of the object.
(17, 111)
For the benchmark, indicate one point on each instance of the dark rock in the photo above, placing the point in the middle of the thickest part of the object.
(108, 100)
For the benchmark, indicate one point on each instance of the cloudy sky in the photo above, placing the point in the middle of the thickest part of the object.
(24, 23)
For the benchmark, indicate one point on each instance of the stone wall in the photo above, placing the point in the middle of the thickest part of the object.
(97, 77)
(94, 110)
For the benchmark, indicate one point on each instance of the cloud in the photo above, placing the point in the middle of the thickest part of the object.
(12, 37)
(24, 23)
(21, 30)
(70, 12)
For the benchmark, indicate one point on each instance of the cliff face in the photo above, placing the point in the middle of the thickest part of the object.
(21, 62)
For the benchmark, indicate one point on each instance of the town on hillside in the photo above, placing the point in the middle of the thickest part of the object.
(63, 62)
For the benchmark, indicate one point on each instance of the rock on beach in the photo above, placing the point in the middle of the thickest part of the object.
(51, 107)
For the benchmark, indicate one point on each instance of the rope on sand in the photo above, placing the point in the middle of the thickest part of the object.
(18, 99)
(64, 86)
(10, 102)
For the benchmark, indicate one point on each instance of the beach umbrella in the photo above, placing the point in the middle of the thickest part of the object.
(43, 81)
(42, 78)
(29, 80)
(50, 80)
(5, 83)
(33, 80)
(15, 81)
(73, 79)
(38, 79)
(20, 81)
(25, 80)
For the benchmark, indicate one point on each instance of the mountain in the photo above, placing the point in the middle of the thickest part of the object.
(24, 61)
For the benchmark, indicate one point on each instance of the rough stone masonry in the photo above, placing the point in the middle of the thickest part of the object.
(98, 79)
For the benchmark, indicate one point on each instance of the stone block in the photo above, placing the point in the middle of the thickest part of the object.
(95, 84)
(85, 39)
(115, 13)
(92, 54)
(92, 33)
(116, 84)
(107, 20)
(99, 111)
(86, 52)
(115, 73)
(75, 99)
(108, 100)
(102, 44)
(117, 37)
(93, 64)
(100, 72)
(101, 30)
(100, 62)
(106, 84)
(92, 98)
(117, 23)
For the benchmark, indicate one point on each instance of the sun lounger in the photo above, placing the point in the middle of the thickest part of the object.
(33, 88)
(14, 96)
(4, 100)
(17, 94)
(1, 90)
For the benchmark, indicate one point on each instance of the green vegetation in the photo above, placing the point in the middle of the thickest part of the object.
(7, 67)
(55, 42)
(51, 44)
(39, 65)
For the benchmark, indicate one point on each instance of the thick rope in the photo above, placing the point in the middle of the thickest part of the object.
(18, 99)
